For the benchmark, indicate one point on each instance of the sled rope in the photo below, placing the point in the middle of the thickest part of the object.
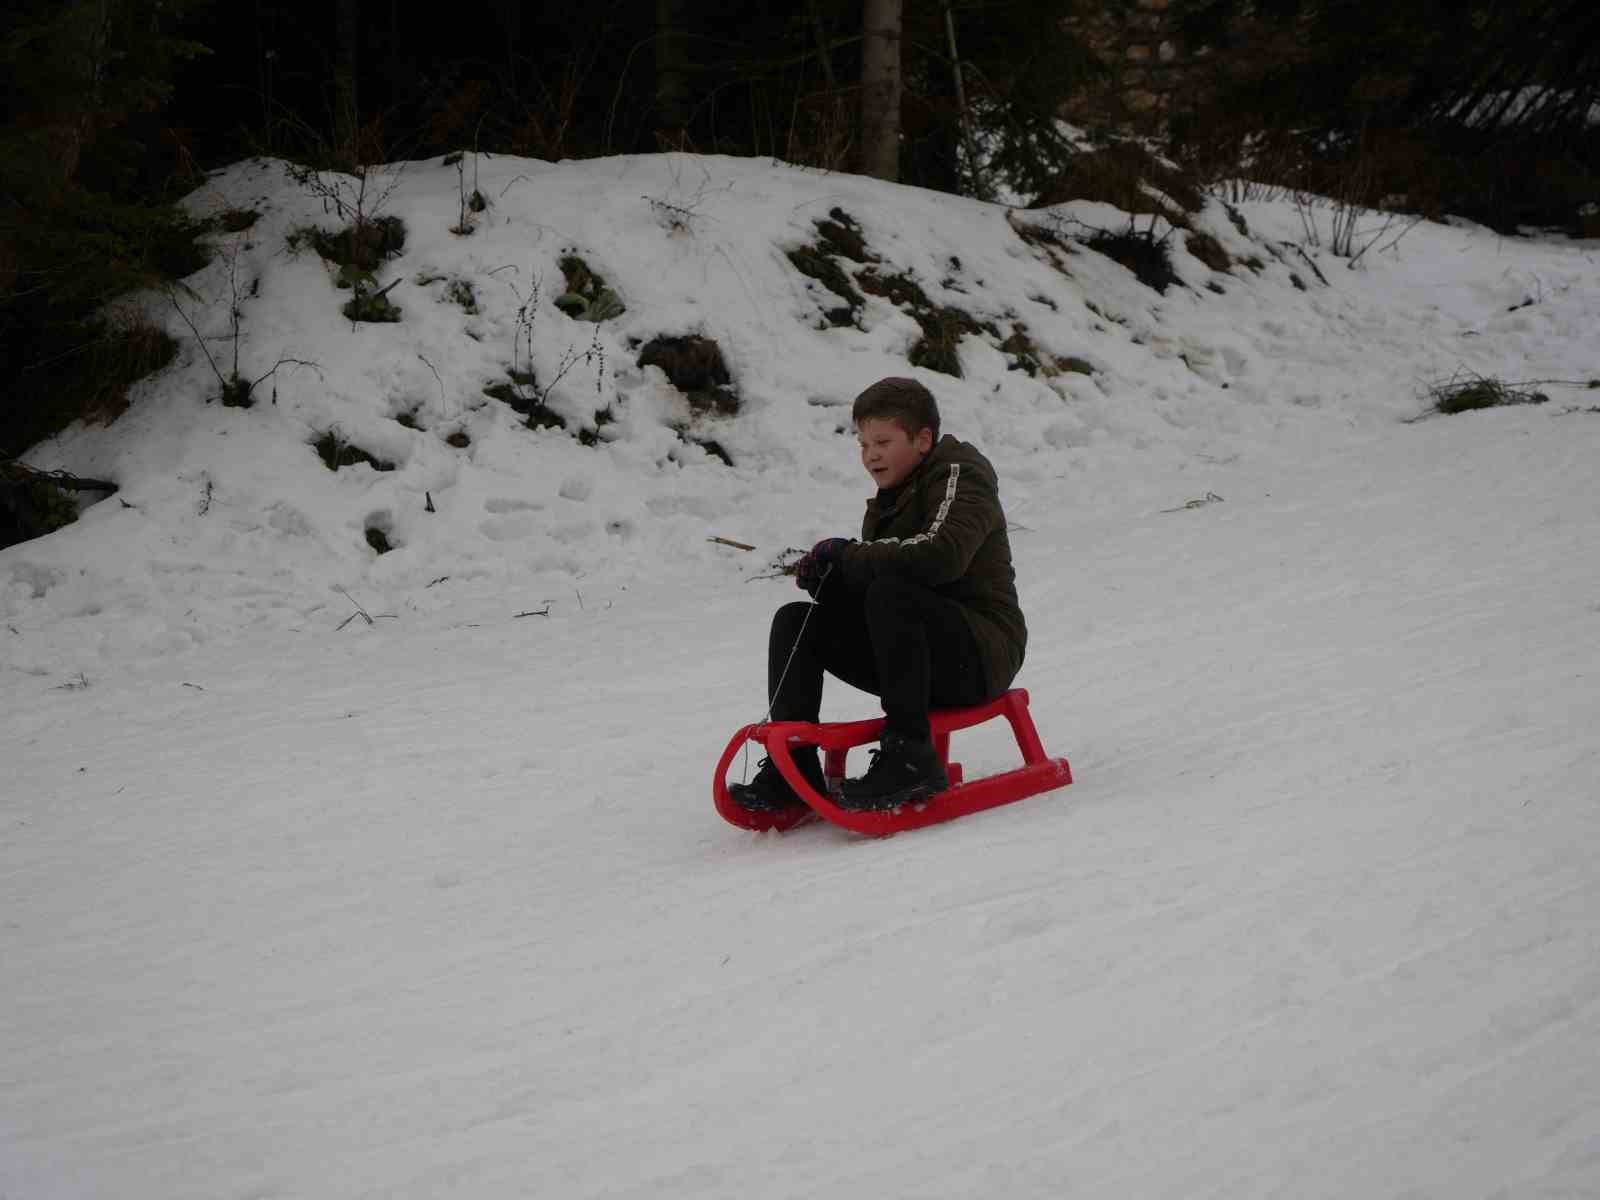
(794, 649)
(744, 764)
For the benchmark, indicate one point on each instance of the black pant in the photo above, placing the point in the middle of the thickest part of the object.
(898, 640)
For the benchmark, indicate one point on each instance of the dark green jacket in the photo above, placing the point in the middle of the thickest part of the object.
(944, 528)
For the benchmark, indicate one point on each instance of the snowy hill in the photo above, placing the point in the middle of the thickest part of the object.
(295, 902)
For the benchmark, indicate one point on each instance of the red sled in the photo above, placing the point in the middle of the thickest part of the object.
(1039, 772)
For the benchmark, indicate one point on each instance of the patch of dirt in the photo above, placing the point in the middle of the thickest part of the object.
(1048, 240)
(694, 365)
(1024, 356)
(521, 393)
(943, 326)
(237, 220)
(460, 291)
(335, 452)
(710, 445)
(838, 236)
(814, 264)
(602, 418)
(1146, 256)
(1209, 251)
(1123, 174)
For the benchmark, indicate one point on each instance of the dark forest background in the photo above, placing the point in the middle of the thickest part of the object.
(114, 108)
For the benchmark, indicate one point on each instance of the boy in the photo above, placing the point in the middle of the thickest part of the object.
(922, 611)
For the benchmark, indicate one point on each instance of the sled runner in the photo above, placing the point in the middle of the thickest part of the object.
(1039, 772)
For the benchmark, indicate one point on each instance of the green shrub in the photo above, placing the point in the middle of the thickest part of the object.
(1477, 392)
(587, 297)
(81, 372)
(371, 306)
(601, 308)
(363, 246)
(32, 504)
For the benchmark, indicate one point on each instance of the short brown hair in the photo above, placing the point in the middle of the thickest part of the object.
(904, 401)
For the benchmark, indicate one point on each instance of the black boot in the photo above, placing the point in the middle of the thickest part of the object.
(769, 791)
(902, 769)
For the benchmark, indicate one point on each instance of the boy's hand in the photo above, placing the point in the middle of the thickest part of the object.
(810, 570)
(826, 552)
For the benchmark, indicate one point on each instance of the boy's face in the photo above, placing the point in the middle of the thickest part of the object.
(888, 452)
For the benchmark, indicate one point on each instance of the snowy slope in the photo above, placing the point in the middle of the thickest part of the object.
(439, 906)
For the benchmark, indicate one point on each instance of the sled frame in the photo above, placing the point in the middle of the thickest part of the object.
(1039, 772)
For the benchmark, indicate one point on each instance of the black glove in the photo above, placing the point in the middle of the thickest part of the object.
(812, 568)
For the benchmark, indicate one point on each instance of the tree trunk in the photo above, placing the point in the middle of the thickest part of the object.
(346, 64)
(266, 53)
(880, 89)
(930, 128)
(400, 76)
(968, 142)
(508, 29)
(79, 45)
(672, 70)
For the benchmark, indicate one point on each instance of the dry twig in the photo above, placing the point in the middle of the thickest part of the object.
(1208, 498)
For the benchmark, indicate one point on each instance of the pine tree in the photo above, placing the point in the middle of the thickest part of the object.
(74, 229)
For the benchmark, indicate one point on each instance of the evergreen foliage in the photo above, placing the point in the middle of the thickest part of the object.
(112, 107)
(1481, 107)
(1525, 67)
(81, 219)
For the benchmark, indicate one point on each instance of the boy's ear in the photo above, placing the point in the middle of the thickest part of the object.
(923, 442)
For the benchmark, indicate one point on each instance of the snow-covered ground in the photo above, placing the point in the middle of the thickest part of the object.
(298, 905)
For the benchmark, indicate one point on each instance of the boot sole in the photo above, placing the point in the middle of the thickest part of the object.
(919, 791)
(741, 795)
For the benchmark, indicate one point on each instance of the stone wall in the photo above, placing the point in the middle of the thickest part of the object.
(1140, 47)
(1153, 73)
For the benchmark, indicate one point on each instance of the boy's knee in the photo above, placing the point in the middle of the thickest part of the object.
(790, 617)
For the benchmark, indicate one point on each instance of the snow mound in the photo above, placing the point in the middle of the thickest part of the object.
(593, 473)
